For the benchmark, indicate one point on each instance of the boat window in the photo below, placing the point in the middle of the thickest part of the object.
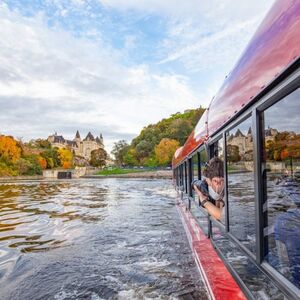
(240, 183)
(203, 160)
(185, 177)
(281, 180)
(181, 176)
(195, 170)
(216, 149)
(195, 166)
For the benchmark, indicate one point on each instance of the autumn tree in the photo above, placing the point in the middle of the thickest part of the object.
(10, 152)
(66, 156)
(42, 162)
(41, 143)
(98, 158)
(233, 154)
(165, 150)
(29, 165)
(52, 158)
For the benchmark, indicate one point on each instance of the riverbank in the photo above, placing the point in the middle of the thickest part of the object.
(27, 177)
(161, 174)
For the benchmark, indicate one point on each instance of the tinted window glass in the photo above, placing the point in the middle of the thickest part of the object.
(194, 170)
(281, 177)
(240, 182)
(217, 149)
(195, 166)
(203, 160)
(185, 177)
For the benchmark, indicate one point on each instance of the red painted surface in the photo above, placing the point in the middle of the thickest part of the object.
(274, 47)
(219, 282)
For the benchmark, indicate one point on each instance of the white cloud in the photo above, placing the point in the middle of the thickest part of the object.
(50, 80)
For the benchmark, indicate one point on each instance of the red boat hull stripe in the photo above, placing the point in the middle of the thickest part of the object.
(219, 282)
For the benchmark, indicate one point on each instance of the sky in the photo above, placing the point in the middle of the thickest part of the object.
(115, 66)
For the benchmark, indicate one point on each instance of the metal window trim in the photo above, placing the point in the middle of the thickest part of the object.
(242, 118)
(189, 181)
(286, 87)
(199, 164)
(225, 183)
(214, 138)
(186, 175)
(258, 185)
(282, 282)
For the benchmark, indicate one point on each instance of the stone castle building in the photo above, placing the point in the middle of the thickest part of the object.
(245, 141)
(80, 147)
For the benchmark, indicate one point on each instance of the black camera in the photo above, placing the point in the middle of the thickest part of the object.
(202, 186)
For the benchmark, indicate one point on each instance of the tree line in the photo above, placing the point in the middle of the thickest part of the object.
(157, 143)
(18, 158)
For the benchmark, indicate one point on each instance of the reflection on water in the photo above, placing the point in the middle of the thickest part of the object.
(102, 239)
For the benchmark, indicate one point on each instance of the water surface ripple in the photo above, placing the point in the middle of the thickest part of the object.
(94, 239)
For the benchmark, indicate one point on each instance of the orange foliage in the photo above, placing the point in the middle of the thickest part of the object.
(66, 157)
(42, 162)
(165, 150)
(9, 149)
(284, 154)
(66, 165)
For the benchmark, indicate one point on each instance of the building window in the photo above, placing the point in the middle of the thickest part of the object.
(240, 183)
(281, 180)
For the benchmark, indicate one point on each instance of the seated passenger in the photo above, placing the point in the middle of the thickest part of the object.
(211, 190)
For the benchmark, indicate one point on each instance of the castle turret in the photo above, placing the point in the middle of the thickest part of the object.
(89, 137)
(77, 138)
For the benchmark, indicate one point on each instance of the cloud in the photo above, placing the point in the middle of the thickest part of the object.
(52, 80)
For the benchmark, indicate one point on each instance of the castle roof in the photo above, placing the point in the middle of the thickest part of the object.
(77, 136)
(89, 137)
(72, 143)
(59, 139)
(98, 140)
(238, 133)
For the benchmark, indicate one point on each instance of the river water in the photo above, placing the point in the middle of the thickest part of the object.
(94, 239)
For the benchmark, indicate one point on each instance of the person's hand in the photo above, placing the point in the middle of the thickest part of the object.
(200, 195)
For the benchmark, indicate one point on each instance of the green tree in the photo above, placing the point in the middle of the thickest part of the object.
(119, 151)
(130, 157)
(144, 149)
(179, 130)
(98, 158)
